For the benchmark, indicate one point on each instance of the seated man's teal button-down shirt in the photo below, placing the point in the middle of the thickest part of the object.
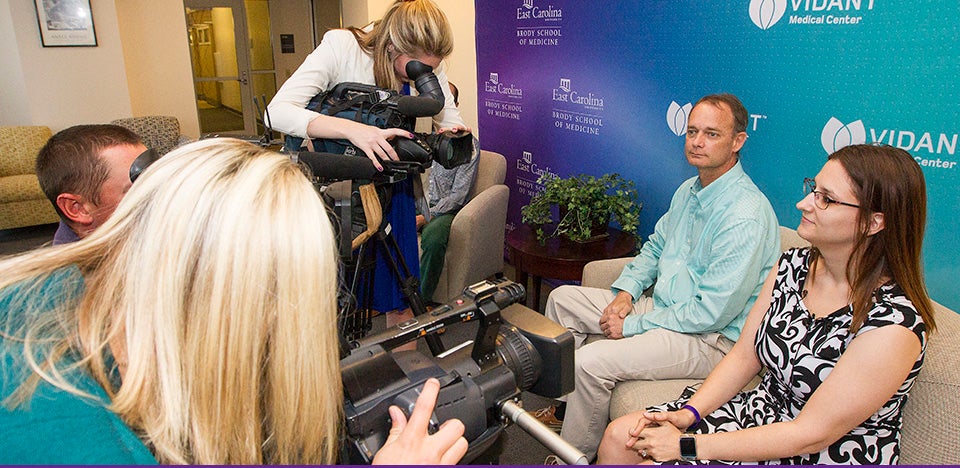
(709, 255)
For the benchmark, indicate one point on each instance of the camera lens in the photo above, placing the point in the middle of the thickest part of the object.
(519, 355)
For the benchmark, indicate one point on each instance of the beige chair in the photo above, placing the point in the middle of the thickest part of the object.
(928, 436)
(475, 248)
(22, 202)
(159, 132)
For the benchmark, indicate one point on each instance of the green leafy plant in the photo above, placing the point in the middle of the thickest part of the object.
(585, 206)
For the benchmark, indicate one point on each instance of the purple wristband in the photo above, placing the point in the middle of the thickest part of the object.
(696, 415)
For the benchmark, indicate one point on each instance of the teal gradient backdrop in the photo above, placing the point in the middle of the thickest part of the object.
(586, 86)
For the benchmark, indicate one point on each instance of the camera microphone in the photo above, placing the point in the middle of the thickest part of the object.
(336, 166)
(418, 106)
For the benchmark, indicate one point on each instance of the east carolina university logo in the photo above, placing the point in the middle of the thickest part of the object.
(531, 11)
(677, 117)
(836, 134)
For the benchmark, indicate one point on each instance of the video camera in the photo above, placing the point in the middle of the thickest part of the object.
(515, 349)
(385, 108)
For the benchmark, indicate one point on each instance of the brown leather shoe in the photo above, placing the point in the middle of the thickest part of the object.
(548, 417)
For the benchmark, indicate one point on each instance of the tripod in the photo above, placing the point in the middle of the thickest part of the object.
(355, 318)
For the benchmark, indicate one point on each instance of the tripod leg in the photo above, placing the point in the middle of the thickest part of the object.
(408, 283)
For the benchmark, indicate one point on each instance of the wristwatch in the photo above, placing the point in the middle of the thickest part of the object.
(688, 447)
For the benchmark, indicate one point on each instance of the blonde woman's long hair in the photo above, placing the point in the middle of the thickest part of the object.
(413, 27)
(218, 273)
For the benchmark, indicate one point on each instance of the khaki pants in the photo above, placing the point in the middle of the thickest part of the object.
(655, 355)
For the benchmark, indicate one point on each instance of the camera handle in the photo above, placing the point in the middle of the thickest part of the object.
(529, 423)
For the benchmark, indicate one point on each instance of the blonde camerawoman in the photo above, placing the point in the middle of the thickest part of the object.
(839, 327)
(197, 325)
(375, 55)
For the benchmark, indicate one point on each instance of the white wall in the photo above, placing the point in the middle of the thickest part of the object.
(14, 109)
(462, 64)
(157, 57)
(61, 86)
(141, 65)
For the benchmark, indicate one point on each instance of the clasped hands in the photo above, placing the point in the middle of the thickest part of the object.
(656, 435)
(611, 321)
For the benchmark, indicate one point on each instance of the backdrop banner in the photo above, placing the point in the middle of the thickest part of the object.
(597, 86)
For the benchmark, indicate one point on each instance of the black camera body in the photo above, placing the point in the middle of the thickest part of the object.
(386, 108)
(515, 349)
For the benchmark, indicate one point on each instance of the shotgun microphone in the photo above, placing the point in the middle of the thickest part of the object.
(332, 166)
(418, 106)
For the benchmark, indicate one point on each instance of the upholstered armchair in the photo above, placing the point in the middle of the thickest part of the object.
(22, 202)
(159, 132)
(475, 247)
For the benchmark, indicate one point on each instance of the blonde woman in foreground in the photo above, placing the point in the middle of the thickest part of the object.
(195, 326)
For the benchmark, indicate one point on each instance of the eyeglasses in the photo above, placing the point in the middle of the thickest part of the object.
(822, 201)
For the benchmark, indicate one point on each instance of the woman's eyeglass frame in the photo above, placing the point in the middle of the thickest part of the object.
(821, 200)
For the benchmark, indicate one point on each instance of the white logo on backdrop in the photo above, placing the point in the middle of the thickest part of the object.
(677, 117)
(528, 173)
(576, 111)
(531, 12)
(538, 26)
(930, 149)
(502, 100)
(766, 13)
(836, 134)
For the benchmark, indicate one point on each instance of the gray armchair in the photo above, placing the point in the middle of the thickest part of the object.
(475, 248)
(159, 132)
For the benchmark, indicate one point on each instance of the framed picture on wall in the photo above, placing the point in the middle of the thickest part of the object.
(66, 23)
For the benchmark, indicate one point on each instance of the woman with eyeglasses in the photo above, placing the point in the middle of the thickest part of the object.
(840, 329)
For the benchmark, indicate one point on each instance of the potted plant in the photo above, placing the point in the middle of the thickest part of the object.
(585, 206)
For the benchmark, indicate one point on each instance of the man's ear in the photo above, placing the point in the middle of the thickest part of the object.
(876, 224)
(739, 140)
(74, 207)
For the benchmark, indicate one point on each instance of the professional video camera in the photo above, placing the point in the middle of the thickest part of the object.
(385, 108)
(515, 349)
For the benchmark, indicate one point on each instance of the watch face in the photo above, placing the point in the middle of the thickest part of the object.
(688, 448)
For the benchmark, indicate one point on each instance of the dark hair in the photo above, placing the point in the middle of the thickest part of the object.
(736, 107)
(70, 162)
(886, 180)
(455, 92)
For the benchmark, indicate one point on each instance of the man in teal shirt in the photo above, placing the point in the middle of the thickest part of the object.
(708, 255)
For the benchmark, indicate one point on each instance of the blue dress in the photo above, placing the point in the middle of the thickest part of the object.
(402, 218)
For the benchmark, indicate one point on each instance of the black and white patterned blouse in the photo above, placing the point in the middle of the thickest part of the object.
(798, 352)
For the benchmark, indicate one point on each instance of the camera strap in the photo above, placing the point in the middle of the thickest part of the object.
(372, 211)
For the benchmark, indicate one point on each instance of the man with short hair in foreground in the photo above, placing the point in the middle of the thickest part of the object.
(84, 171)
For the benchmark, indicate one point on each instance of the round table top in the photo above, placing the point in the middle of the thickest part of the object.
(558, 258)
